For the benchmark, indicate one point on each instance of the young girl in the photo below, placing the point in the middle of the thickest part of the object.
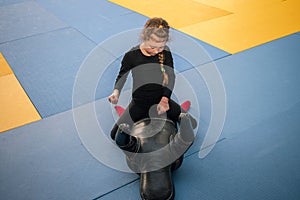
(151, 65)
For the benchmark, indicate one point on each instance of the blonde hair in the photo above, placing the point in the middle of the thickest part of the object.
(159, 27)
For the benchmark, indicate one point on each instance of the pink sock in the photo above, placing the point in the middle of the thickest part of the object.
(186, 105)
(119, 110)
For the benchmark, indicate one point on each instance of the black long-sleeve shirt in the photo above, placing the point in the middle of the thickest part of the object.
(147, 75)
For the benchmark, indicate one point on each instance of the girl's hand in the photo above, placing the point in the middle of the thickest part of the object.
(114, 97)
(163, 105)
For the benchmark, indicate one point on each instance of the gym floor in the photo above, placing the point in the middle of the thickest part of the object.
(238, 63)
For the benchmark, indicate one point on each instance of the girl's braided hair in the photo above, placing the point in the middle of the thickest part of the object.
(160, 28)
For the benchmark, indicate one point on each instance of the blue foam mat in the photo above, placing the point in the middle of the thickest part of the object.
(46, 66)
(188, 46)
(260, 82)
(97, 19)
(47, 160)
(26, 19)
(9, 2)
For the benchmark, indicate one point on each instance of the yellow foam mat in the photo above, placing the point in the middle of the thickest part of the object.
(4, 67)
(230, 25)
(16, 108)
(178, 13)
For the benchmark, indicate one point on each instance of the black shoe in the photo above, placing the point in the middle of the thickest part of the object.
(122, 135)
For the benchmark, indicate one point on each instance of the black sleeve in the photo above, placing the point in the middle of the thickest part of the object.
(123, 72)
(169, 67)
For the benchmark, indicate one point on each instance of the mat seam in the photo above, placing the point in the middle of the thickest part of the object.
(111, 191)
(34, 35)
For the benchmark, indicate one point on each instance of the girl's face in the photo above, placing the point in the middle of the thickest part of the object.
(154, 45)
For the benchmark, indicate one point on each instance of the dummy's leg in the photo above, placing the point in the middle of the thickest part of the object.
(186, 136)
(186, 122)
(124, 119)
(176, 110)
(154, 154)
(124, 140)
(132, 113)
(157, 185)
(153, 159)
(186, 127)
